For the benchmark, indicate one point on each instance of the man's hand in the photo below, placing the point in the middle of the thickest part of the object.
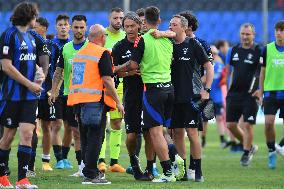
(259, 95)
(204, 95)
(120, 108)
(52, 97)
(157, 34)
(35, 88)
(134, 72)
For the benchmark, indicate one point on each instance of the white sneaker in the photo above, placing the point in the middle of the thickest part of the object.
(178, 167)
(164, 178)
(30, 173)
(279, 149)
(191, 174)
(79, 173)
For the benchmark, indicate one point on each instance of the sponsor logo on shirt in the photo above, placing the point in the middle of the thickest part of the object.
(127, 54)
(23, 46)
(251, 118)
(236, 57)
(249, 59)
(277, 62)
(5, 50)
(29, 56)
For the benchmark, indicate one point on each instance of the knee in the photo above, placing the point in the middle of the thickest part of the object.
(26, 136)
(231, 126)
(7, 140)
(76, 134)
(116, 124)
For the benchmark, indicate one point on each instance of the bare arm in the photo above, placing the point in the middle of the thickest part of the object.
(44, 63)
(56, 84)
(160, 34)
(110, 88)
(128, 66)
(209, 74)
(209, 79)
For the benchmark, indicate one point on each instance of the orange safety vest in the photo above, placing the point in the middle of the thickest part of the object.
(86, 84)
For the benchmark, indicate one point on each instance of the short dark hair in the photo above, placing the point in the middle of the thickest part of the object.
(152, 15)
(79, 18)
(192, 20)
(23, 13)
(279, 25)
(220, 43)
(50, 36)
(116, 9)
(140, 12)
(62, 17)
(43, 22)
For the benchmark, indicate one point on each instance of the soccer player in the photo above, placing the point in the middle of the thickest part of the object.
(245, 59)
(114, 34)
(47, 113)
(61, 147)
(223, 47)
(272, 87)
(132, 92)
(67, 54)
(153, 56)
(20, 90)
(141, 14)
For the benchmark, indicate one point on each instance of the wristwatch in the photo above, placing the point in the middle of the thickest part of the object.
(208, 90)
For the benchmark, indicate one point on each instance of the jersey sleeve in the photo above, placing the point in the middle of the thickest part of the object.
(200, 54)
(105, 64)
(60, 61)
(41, 46)
(138, 51)
(7, 46)
(264, 53)
(228, 56)
(115, 53)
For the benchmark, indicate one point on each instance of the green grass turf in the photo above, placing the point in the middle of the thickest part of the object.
(221, 169)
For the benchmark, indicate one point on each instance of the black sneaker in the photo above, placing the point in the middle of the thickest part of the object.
(148, 176)
(137, 172)
(96, 180)
(184, 178)
(245, 160)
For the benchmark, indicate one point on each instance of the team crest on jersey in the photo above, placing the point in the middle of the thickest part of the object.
(250, 56)
(185, 50)
(236, 57)
(5, 50)
(33, 43)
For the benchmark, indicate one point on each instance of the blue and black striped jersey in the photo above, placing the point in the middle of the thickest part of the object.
(23, 49)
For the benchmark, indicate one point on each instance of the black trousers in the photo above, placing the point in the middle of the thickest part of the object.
(91, 143)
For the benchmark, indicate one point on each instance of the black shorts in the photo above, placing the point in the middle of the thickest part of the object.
(236, 107)
(50, 113)
(70, 117)
(271, 105)
(132, 116)
(218, 109)
(184, 116)
(16, 112)
(158, 102)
